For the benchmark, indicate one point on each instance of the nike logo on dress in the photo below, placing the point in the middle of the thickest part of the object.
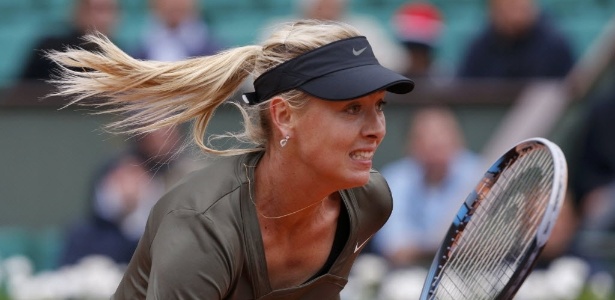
(358, 52)
(358, 246)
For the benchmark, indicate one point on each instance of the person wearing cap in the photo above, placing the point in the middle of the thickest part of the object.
(283, 219)
(418, 26)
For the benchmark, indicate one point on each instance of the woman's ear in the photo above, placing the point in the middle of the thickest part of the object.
(281, 115)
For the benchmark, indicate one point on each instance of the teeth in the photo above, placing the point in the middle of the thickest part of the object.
(362, 155)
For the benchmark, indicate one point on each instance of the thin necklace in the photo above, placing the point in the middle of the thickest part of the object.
(274, 217)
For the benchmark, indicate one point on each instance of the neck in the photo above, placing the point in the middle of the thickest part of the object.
(283, 193)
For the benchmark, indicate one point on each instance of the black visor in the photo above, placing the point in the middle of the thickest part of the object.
(342, 70)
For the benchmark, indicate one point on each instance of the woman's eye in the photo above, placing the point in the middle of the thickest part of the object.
(353, 109)
(380, 106)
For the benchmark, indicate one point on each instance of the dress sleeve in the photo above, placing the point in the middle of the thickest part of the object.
(191, 258)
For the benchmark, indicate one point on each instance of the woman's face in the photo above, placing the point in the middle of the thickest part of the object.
(336, 140)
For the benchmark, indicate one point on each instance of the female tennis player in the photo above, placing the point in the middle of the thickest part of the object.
(282, 220)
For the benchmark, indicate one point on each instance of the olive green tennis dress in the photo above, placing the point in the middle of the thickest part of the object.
(203, 240)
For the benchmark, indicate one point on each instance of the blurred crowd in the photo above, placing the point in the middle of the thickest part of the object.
(519, 40)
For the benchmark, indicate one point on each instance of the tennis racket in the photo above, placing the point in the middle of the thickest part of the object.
(502, 226)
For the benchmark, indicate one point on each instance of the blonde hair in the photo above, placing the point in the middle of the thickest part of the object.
(154, 95)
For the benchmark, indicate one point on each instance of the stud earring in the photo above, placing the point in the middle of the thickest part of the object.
(284, 141)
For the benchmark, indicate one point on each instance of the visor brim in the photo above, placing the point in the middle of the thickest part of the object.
(357, 82)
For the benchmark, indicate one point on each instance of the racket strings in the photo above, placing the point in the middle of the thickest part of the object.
(499, 269)
(508, 246)
(488, 255)
(508, 224)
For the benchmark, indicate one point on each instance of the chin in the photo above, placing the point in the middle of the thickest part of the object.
(357, 179)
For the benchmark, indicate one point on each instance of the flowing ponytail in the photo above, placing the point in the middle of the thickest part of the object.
(152, 94)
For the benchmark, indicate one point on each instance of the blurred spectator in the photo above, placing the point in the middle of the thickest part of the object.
(593, 181)
(175, 32)
(520, 41)
(389, 53)
(595, 168)
(428, 187)
(418, 26)
(122, 196)
(88, 16)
